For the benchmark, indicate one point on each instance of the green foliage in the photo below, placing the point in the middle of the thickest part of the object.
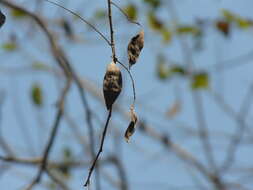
(64, 169)
(178, 70)
(39, 65)
(154, 22)
(164, 71)
(162, 68)
(200, 81)
(131, 11)
(67, 154)
(188, 29)
(157, 25)
(244, 23)
(153, 3)
(100, 14)
(9, 46)
(51, 186)
(18, 14)
(166, 35)
(36, 95)
(241, 22)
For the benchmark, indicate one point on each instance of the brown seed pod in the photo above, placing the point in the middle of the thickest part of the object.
(112, 84)
(131, 127)
(2, 19)
(134, 47)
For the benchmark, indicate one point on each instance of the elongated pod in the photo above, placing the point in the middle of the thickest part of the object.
(112, 84)
(134, 48)
(131, 127)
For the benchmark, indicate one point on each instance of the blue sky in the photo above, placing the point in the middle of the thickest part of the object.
(148, 165)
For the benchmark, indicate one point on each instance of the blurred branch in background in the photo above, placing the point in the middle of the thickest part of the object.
(189, 134)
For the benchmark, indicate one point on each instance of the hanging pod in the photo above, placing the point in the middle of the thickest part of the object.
(131, 127)
(134, 47)
(2, 19)
(112, 84)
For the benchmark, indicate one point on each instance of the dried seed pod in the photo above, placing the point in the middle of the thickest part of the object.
(131, 127)
(134, 48)
(112, 84)
(2, 19)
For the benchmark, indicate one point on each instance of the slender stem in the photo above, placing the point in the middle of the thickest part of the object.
(100, 149)
(85, 21)
(125, 14)
(52, 136)
(111, 31)
(132, 79)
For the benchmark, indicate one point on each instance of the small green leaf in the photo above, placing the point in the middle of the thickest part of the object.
(51, 186)
(39, 65)
(100, 14)
(176, 69)
(9, 46)
(18, 14)
(64, 170)
(166, 34)
(67, 153)
(163, 71)
(36, 95)
(154, 22)
(240, 22)
(200, 81)
(153, 3)
(229, 16)
(187, 29)
(244, 23)
(131, 11)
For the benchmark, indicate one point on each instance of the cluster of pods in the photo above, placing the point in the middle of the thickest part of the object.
(112, 84)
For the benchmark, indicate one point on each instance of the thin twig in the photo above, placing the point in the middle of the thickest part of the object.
(59, 54)
(52, 135)
(132, 80)
(237, 136)
(85, 21)
(121, 172)
(182, 154)
(88, 118)
(111, 31)
(100, 148)
(88, 112)
(198, 105)
(125, 14)
(57, 180)
(37, 161)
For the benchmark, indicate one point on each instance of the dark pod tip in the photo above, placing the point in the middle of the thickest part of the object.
(2, 19)
(130, 131)
(131, 127)
(112, 84)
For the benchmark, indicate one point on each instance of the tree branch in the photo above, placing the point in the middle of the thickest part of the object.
(87, 182)
(52, 135)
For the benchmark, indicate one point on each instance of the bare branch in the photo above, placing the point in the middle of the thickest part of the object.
(100, 148)
(52, 135)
